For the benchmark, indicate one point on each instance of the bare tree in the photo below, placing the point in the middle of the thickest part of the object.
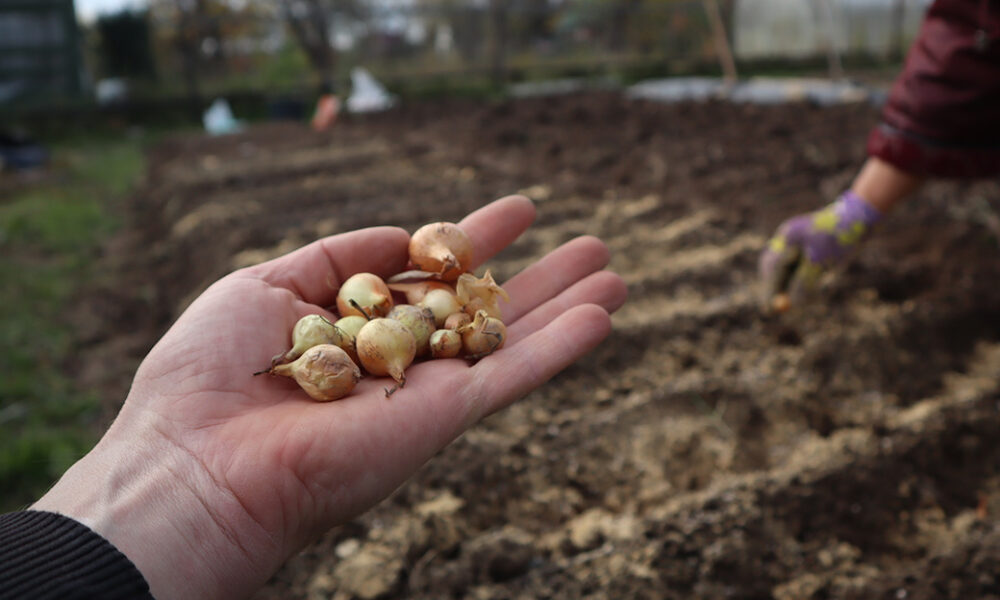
(498, 41)
(193, 30)
(721, 40)
(312, 22)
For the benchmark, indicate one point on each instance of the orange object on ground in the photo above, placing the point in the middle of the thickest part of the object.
(327, 110)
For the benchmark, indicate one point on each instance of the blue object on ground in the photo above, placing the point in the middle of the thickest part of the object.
(21, 153)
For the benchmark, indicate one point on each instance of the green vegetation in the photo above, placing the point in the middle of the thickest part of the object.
(50, 233)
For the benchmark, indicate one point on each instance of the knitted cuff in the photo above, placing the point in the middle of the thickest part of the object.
(47, 555)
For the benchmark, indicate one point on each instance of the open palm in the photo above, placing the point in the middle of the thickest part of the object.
(269, 468)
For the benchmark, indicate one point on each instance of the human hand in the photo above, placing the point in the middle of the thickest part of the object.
(807, 246)
(210, 478)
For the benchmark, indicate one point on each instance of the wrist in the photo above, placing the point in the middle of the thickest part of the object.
(855, 209)
(165, 514)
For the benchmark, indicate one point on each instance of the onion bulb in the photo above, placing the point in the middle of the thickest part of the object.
(420, 322)
(445, 343)
(477, 294)
(325, 372)
(386, 347)
(442, 303)
(367, 291)
(351, 324)
(781, 303)
(309, 331)
(456, 320)
(441, 248)
(484, 335)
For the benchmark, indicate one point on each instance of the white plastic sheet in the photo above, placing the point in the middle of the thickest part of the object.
(367, 94)
(219, 119)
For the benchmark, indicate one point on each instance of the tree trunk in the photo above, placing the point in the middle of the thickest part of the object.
(722, 49)
(187, 44)
(312, 34)
(498, 41)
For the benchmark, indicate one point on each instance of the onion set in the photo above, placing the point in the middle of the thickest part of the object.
(436, 308)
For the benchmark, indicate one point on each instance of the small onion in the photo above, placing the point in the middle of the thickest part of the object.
(441, 248)
(456, 320)
(420, 322)
(351, 324)
(484, 335)
(442, 303)
(367, 291)
(781, 303)
(445, 343)
(325, 372)
(309, 331)
(386, 347)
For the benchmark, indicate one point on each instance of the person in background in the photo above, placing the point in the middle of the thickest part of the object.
(210, 478)
(941, 120)
(327, 109)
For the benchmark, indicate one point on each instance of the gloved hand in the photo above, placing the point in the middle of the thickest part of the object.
(807, 246)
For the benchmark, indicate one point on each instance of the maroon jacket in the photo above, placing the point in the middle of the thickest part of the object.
(942, 117)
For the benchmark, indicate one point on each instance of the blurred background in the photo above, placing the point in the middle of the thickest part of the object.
(148, 147)
(158, 56)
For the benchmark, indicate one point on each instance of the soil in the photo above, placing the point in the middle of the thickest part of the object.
(848, 449)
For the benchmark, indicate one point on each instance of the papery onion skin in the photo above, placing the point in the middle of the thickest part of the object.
(442, 248)
(415, 291)
(369, 292)
(480, 293)
(483, 336)
(445, 343)
(325, 372)
(419, 320)
(386, 347)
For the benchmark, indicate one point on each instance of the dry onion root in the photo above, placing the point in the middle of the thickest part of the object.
(448, 312)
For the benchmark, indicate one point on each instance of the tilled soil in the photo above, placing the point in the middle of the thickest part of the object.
(849, 449)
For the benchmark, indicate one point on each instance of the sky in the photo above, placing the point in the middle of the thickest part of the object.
(88, 9)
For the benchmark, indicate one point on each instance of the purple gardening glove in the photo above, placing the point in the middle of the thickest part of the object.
(806, 246)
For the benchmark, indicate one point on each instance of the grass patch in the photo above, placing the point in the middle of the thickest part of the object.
(50, 234)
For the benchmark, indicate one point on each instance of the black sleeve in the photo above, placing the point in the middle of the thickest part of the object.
(47, 555)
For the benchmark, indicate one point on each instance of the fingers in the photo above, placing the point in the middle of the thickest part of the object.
(511, 373)
(315, 272)
(494, 226)
(556, 271)
(603, 288)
